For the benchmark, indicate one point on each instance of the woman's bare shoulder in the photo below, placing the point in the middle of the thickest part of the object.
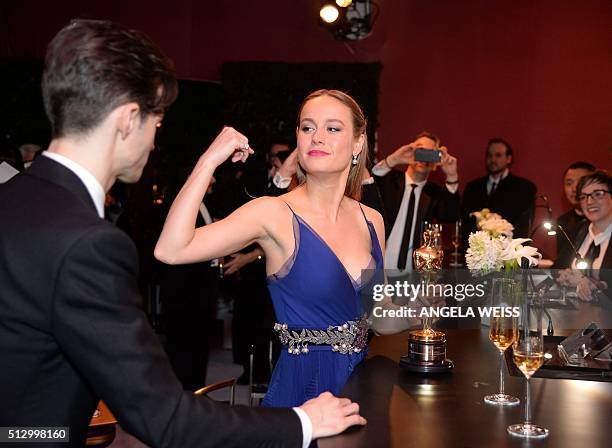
(268, 204)
(372, 214)
(375, 218)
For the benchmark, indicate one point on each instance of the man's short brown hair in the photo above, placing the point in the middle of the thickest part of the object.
(428, 135)
(94, 66)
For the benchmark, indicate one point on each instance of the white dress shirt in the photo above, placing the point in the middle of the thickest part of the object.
(92, 185)
(602, 240)
(496, 180)
(280, 181)
(306, 427)
(381, 169)
(394, 242)
(205, 214)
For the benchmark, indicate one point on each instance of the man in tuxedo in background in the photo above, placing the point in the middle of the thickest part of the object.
(502, 192)
(573, 219)
(189, 294)
(409, 199)
(281, 175)
(253, 317)
(72, 330)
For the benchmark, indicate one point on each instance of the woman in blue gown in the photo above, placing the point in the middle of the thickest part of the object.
(317, 239)
(314, 292)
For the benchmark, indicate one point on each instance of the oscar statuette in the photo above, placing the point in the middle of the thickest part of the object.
(426, 346)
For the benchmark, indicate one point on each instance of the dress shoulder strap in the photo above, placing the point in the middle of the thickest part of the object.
(363, 213)
(287, 204)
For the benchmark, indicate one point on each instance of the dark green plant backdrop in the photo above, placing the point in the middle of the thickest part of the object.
(263, 98)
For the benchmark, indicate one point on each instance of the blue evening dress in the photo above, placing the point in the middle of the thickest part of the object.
(313, 290)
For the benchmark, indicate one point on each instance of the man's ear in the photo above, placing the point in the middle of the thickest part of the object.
(128, 118)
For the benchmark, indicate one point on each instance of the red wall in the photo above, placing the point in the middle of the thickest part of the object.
(536, 72)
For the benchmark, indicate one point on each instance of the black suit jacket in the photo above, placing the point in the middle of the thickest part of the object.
(605, 271)
(513, 199)
(72, 330)
(571, 223)
(435, 202)
(581, 234)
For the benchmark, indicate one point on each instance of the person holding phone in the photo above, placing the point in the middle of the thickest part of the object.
(410, 199)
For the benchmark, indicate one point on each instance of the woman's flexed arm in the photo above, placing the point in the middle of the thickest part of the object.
(179, 241)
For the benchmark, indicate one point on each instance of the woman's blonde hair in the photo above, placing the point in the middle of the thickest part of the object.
(353, 183)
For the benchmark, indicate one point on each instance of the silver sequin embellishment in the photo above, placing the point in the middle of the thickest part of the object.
(350, 337)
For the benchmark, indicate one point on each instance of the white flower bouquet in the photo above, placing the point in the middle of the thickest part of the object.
(492, 247)
(493, 223)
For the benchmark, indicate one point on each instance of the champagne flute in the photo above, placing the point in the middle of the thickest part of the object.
(528, 355)
(502, 332)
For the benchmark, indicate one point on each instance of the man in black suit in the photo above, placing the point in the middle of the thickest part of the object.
(189, 294)
(571, 220)
(71, 326)
(253, 317)
(409, 199)
(502, 192)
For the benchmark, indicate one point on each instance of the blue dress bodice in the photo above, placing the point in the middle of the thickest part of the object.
(313, 290)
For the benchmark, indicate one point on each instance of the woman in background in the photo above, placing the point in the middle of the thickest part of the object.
(593, 237)
(593, 192)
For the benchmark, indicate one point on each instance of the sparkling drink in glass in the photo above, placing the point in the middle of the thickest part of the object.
(528, 356)
(502, 332)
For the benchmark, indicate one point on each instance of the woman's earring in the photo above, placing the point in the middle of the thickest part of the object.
(355, 158)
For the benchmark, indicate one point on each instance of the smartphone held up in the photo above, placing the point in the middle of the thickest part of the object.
(427, 155)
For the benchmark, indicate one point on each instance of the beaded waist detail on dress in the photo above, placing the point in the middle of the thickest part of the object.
(350, 337)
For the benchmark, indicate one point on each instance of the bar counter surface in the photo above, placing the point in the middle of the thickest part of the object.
(428, 411)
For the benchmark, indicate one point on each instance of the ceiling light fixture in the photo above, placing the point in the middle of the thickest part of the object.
(347, 19)
(329, 13)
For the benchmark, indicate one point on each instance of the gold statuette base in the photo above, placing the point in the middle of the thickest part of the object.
(426, 352)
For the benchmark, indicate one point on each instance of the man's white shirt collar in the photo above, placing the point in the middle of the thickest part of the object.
(601, 236)
(499, 178)
(92, 185)
(410, 180)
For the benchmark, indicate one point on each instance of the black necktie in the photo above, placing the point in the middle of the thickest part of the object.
(592, 254)
(493, 187)
(403, 254)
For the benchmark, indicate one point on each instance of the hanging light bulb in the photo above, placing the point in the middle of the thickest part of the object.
(329, 13)
(347, 19)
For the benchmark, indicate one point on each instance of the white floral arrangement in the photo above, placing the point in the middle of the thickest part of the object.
(484, 253)
(493, 223)
(492, 247)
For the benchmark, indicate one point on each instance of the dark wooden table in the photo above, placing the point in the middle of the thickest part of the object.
(410, 410)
